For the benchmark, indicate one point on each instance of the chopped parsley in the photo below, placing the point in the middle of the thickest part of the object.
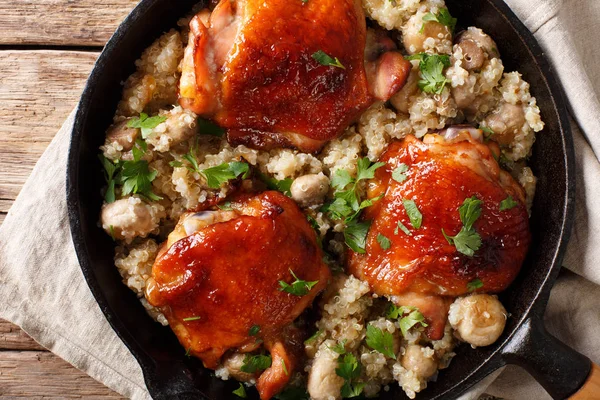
(340, 347)
(487, 132)
(256, 363)
(443, 17)
(145, 123)
(474, 285)
(191, 319)
(324, 59)
(381, 341)
(216, 176)
(414, 215)
(225, 206)
(134, 176)
(467, 241)
(207, 127)
(349, 369)
(355, 235)
(284, 367)
(407, 316)
(187, 352)
(508, 203)
(347, 204)
(314, 337)
(112, 233)
(284, 186)
(383, 241)
(109, 174)
(298, 288)
(253, 331)
(432, 68)
(403, 228)
(240, 392)
(399, 173)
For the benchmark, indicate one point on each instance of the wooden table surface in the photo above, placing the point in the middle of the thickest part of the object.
(47, 50)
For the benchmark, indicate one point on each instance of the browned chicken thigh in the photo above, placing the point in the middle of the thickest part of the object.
(217, 281)
(287, 73)
(423, 266)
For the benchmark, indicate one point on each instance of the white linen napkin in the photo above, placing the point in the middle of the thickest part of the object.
(44, 292)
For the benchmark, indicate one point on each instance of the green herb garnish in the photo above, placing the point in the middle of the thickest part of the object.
(109, 174)
(253, 331)
(240, 392)
(467, 241)
(474, 285)
(355, 235)
(216, 176)
(324, 59)
(383, 241)
(379, 340)
(314, 337)
(508, 203)
(136, 178)
(414, 215)
(340, 347)
(399, 173)
(284, 186)
(349, 369)
(407, 316)
(403, 228)
(256, 363)
(432, 68)
(443, 17)
(192, 319)
(298, 288)
(145, 123)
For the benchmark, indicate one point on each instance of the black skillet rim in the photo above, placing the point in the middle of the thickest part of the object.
(495, 359)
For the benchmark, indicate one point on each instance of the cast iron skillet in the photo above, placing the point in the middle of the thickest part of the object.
(169, 374)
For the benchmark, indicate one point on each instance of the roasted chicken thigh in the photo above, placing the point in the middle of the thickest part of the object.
(287, 73)
(423, 261)
(217, 282)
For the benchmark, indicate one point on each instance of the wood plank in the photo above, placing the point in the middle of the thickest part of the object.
(61, 22)
(33, 374)
(38, 90)
(13, 338)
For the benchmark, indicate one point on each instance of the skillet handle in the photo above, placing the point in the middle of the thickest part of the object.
(561, 370)
(591, 388)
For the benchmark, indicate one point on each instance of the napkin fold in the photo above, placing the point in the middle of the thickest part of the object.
(44, 292)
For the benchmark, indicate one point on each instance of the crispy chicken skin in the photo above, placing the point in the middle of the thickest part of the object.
(225, 275)
(249, 66)
(441, 175)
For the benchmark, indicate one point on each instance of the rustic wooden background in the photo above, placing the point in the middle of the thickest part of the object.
(47, 50)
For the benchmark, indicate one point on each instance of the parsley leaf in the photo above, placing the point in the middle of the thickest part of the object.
(341, 179)
(474, 285)
(253, 331)
(240, 392)
(324, 59)
(349, 369)
(355, 235)
(403, 228)
(508, 203)
(192, 318)
(432, 68)
(443, 17)
(256, 363)
(284, 367)
(467, 241)
(381, 341)
(284, 186)
(487, 132)
(225, 206)
(399, 173)
(145, 123)
(207, 127)
(314, 337)
(412, 319)
(216, 176)
(415, 216)
(365, 169)
(136, 178)
(109, 174)
(339, 347)
(469, 211)
(383, 241)
(298, 288)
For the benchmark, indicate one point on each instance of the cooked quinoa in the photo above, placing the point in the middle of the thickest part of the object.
(348, 306)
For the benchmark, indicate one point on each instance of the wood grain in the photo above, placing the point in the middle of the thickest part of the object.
(591, 389)
(33, 374)
(61, 22)
(38, 90)
(13, 338)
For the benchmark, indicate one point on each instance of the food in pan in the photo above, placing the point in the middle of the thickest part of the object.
(322, 198)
